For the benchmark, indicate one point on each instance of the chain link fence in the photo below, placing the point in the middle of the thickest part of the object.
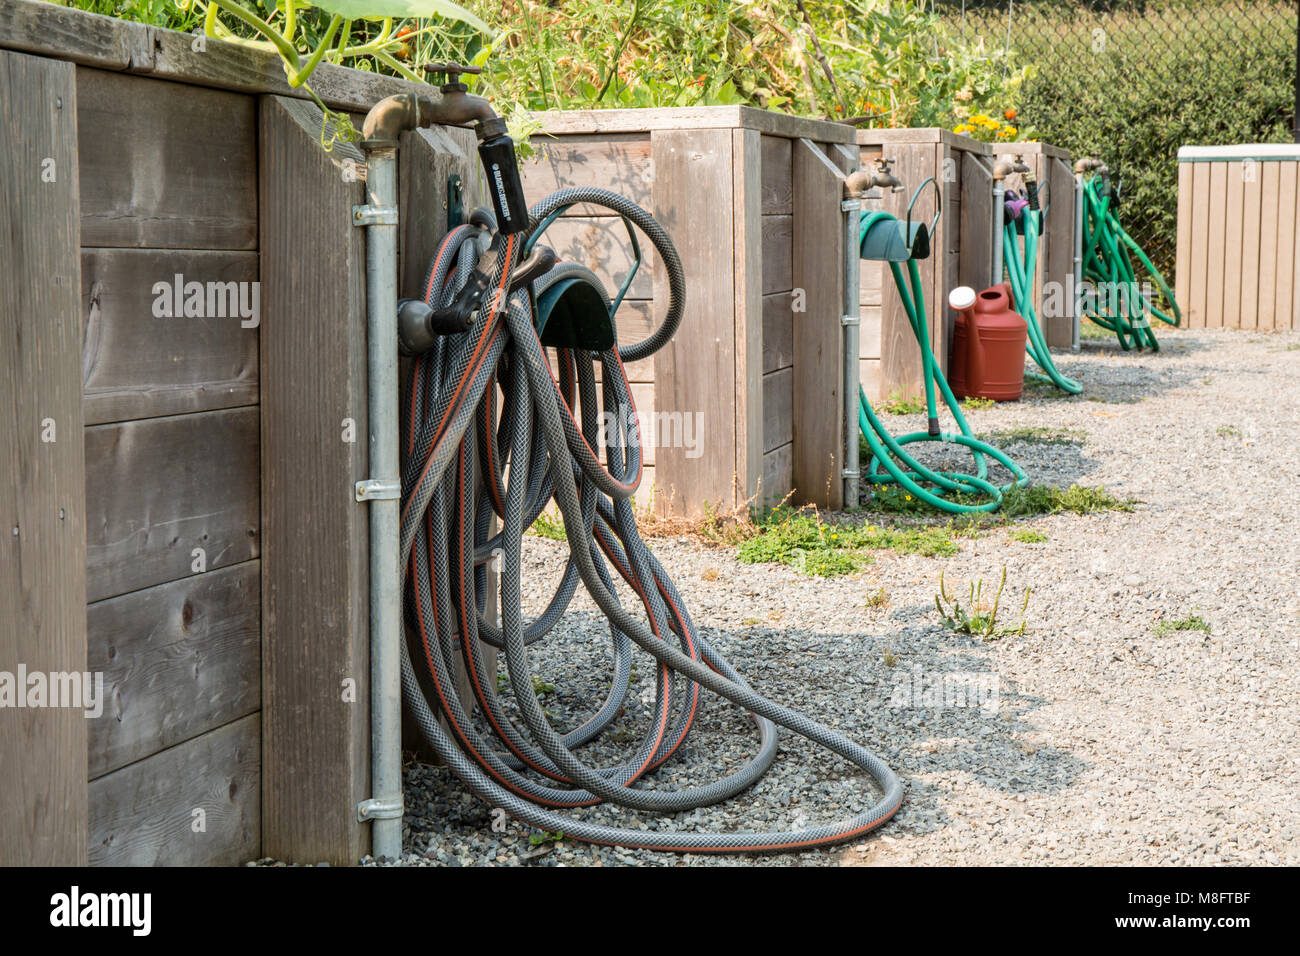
(1132, 80)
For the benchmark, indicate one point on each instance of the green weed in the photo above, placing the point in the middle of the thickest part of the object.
(1191, 622)
(978, 618)
(549, 526)
(801, 539)
(1034, 435)
(898, 404)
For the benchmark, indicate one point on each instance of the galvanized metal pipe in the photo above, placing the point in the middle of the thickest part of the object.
(850, 321)
(385, 805)
(999, 211)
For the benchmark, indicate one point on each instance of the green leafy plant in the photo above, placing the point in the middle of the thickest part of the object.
(976, 403)
(549, 526)
(1028, 536)
(537, 839)
(800, 538)
(879, 598)
(899, 404)
(289, 31)
(1191, 622)
(978, 617)
(1048, 499)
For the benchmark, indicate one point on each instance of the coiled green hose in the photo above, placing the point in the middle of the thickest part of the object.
(1021, 257)
(887, 451)
(1118, 303)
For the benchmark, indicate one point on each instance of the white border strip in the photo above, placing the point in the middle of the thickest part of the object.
(1257, 151)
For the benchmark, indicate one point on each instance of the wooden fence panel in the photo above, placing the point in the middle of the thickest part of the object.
(1238, 257)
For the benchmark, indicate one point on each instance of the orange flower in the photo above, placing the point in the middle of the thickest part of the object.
(1010, 114)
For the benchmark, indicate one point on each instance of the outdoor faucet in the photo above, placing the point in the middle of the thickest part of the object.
(1002, 168)
(859, 181)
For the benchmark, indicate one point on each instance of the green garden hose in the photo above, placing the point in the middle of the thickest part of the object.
(887, 451)
(1117, 301)
(1020, 253)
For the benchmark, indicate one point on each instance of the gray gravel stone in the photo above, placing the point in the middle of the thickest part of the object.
(1106, 744)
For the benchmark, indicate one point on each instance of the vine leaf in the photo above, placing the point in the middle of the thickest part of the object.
(423, 9)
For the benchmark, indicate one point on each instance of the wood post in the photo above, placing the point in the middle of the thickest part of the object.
(818, 335)
(42, 497)
(315, 606)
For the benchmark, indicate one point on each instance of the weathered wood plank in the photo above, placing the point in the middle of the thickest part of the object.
(778, 408)
(1295, 267)
(778, 254)
(619, 162)
(695, 372)
(778, 186)
(900, 355)
(1058, 259)
(869, 379)
(427, 159)
(178, 660)
(778, 331)
(1214, 237)
(164, 165)
(1286, 224)
(136, 364)
(688, 118)
(160, 488)
(1182, 262)
(975, 264)
(1231, 243)
(42, 494)
(315, 577)
(1200, 265)
(195, 804)
(818, 343)
(749, 268)
(1270, 185)
(778, 477)
(1252, 244)
(106, 42)
(70, 34)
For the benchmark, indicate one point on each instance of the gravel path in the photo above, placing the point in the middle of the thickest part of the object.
(1103, 743)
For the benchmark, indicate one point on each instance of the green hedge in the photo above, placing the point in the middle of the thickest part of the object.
(1166, 76)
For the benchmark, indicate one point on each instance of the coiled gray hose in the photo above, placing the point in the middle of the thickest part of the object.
(454, 481)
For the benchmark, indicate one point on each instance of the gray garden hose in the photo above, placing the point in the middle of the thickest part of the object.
(455, 478)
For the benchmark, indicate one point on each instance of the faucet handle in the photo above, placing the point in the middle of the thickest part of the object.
(451, 75)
